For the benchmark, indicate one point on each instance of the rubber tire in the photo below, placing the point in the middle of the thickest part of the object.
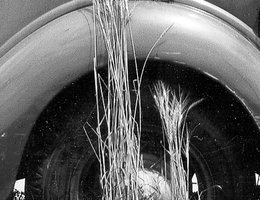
(61, 145)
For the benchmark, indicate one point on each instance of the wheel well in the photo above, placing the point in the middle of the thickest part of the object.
(218, 101)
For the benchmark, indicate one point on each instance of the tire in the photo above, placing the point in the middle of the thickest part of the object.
(62, 164)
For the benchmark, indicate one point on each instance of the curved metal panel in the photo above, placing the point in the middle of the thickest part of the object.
(41, 21)
(38, 67)
(16, 14)
(247, 11)
(74, 5)
(226, 15)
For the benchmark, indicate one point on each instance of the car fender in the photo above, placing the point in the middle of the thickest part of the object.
(53, 53)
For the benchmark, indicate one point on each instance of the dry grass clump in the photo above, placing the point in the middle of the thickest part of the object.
(121, 172)
(173, 112)
(119, 152)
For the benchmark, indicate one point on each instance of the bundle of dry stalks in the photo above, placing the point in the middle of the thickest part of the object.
(173, 112)
(119, 152)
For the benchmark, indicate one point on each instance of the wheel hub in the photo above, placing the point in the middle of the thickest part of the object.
(153, 185)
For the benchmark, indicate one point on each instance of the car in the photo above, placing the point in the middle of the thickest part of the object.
(210, 50)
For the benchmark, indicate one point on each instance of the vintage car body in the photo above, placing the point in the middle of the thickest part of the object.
(16, 14)
(57, 49)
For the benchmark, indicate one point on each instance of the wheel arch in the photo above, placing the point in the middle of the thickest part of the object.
(61, 50)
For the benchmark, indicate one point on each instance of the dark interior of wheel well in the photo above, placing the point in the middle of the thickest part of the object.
(218, 103)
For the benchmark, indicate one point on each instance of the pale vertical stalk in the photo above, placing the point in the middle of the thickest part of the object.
(173, 112)
(119, 151)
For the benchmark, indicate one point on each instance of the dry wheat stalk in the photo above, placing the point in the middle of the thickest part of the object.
(173, 112)
(119, 152)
